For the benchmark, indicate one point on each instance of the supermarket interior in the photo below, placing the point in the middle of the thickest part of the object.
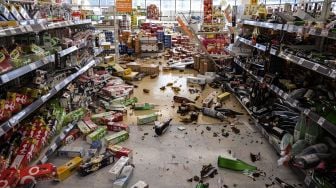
(167, 93)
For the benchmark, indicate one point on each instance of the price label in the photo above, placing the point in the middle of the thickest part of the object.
(281, 92)
(29, 28)
(58, 87)
(306, 112)
(4, 78)
(295, 104)
(321, 121)
(32, 66)
(12, 31)
(333, 74)
(22, 29)
(312, 31)
(286, 96)
(276, 89)
(273, 51)
(325, 32)
(315, 67)
(300, 62)
(279, 26)
(53, 147)
(62, 135)
(290, 28)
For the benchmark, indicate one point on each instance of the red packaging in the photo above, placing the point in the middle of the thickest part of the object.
(71, 137)
(19, 98)
(40, 139)
(24, 154)
(116, 127)
(90, 124)
(119, 151)
(37, 173)
(114, 118)
(10, 106)
(9, 178)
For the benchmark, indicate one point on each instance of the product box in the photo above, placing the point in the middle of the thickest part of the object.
(208, 79)
(9, 178)
(196, 80)
(119, 151)
(97, 134)
(37, 173)
(116, 126)
(66, 170)
(89, 123)
(223, 96)
(83, 128)
(150, 69)
(95, 163)
(71, 136)
(117, 167)
(24, 154)
(147, 118)
(71, 152)
(124, 177)
(97, 118)
(116, 137)
(114, 118)
(208, 100)
(134, 66)
(140, 184)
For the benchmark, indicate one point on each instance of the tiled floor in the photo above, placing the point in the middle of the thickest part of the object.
(169, 160)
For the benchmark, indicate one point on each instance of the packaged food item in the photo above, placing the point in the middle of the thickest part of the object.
(116, 137)
(97, 134)
(9, 178)
(83, 128)
(124, 177)
(71, 152)
(66, 170)
(37, 173)
(208, 100)
(96, 163)
(140, 184)
(117, 167)
(119, 151)
(144, 119)
(116, 126)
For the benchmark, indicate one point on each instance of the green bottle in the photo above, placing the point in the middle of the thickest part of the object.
(312, 132)
(202, 185)
(234, 164)
(298, 146)
(300, 128)
(143, 106)
(130, 101)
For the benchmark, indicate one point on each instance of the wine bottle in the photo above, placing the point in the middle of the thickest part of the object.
(300, 128)
(179, 99)
(162, 127)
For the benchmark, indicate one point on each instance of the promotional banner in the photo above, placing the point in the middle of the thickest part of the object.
(124, 5)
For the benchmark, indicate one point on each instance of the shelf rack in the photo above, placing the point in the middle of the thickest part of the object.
(35, 28)
(249, 42)
(321, 121)
(17, 118)
(292, 28)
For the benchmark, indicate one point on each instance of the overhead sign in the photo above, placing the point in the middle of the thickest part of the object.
(124, 5)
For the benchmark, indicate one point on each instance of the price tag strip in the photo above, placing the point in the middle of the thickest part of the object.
(315, 67)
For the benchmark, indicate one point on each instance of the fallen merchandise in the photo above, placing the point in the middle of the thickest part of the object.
(71, 152)
(118, 166)
(66, 170)
(116, 137)
(140, 184)
(96, 163)
(124, 177)
(146, 118)
(119, 151)
(97, 134)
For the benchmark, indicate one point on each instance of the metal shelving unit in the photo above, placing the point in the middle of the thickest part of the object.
(17, 118)
(321, 121)
(292, 28)
(35, 28)
(250, 43)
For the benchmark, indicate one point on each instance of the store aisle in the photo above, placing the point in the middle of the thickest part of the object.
(169, 160)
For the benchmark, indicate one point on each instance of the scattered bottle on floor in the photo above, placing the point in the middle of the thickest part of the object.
(162, 127)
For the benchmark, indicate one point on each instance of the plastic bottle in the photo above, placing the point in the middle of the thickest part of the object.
(162, 127)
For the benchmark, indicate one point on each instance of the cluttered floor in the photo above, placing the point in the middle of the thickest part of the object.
(175, 158)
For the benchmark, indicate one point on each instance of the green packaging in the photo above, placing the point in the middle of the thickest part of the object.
(97, 117)
(116, 137)
(147, 118)
(83, 128)
(75, 115)
(97, 134)
(234, 164)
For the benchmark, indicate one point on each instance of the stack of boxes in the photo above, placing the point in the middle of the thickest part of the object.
(168, 41)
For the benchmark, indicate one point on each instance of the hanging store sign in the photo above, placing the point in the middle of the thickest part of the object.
(124, 5)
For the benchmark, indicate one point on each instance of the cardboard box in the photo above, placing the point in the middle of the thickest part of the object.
(196, 80)
(119, 151)
(37, 173)
(116, 127)
(134, 66)
(144, 119)
(140, 184)
(223, 96)
(117, 167)
(97, 134)
(83, 128)
(125, 176)
(66, 170)
(150, 69)
(208, 100)
(116, 137)
(71, 152)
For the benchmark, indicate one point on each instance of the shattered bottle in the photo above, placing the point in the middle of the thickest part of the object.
(162, 127)
(179, 99)
(213, 113)
(130, 101)
(300, 128)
